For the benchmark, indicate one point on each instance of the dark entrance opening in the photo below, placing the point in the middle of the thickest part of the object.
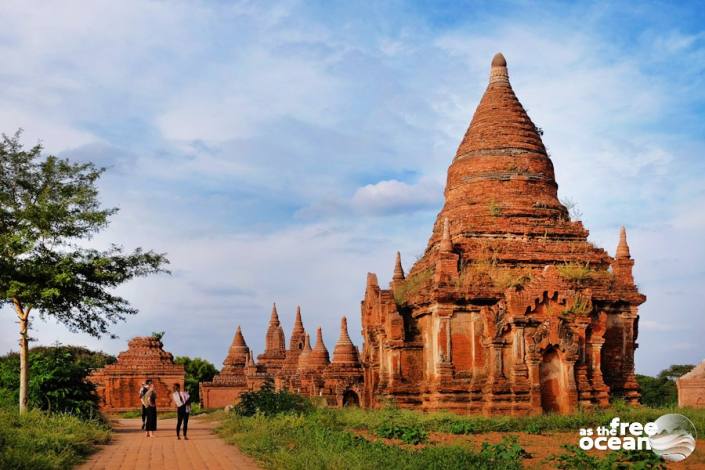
(551, 382)
(350, 398)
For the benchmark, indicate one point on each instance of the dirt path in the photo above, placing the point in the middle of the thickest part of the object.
(130, 449)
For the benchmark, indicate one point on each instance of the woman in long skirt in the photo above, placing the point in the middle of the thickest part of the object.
(150, 402)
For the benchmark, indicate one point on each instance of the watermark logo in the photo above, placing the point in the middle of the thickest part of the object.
(671, 437)
(674, 439)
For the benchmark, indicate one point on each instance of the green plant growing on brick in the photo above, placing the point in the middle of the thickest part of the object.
(411, 285)
(576, 272)
(580, 306)
(495, 209)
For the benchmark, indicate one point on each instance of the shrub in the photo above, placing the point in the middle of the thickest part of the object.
(269, 402)
(409, 434)
(57, 379)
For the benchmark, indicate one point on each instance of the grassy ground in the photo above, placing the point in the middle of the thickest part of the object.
(39, 440)
(391, 438)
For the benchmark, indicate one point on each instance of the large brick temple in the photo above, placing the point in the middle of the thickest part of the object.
(509, 310)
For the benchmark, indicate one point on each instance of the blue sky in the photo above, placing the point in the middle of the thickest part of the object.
(280, 151)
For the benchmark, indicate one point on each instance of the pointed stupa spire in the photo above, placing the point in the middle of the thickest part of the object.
(446, 244)
(239, 340)
(274, 319)
(296, 341)
(237, 354)
(319, 356)
(499, 155)
(297, 322)
(345, 352)
(623, 247)
(275, 342)
(305, 353)
(398, 269)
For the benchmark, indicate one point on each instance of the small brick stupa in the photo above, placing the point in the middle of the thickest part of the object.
(118, 384)
(231, 381)
(510, 309)
(691, 387)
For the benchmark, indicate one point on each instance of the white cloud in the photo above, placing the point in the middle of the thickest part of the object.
(396, 196)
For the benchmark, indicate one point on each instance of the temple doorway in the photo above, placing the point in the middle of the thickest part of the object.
(350, 398)
(551, 382)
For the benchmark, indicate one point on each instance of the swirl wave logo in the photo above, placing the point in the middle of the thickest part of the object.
(675, 438)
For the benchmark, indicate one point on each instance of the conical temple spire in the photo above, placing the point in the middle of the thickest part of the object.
(623, 247)
(501, 170)
(238, 352)
(274, 319)
(398, 269)
(305, 353)
(239, 340)
(298, 323)
(345, 352)
(446, 244)
(275, 341)
(318, 357)
(296, 341)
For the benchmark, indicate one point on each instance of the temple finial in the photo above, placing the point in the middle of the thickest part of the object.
(446, 244)
(498, 69)
(239, 338)
(275, 316)
(498, 60)
(623, 247)
(398, 269)
(344, 336)
(298, 322)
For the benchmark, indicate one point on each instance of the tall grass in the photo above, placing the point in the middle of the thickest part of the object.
(38, 440)
(348, 438)
(320, 440)
(455, 424)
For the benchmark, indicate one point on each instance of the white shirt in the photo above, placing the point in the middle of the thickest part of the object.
(180, 398)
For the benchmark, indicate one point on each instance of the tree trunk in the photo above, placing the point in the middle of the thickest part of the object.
(23, 316)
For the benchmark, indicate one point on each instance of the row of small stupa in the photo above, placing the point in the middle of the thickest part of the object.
(302, 368)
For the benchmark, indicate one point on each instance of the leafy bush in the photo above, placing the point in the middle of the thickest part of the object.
(197, 370)
(508, 450)
(409, 434)
(38, 440)
(57, 379)
(269, 402)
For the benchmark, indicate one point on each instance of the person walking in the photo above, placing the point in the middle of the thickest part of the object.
(149, 401)
(182, 400)
(143, 390)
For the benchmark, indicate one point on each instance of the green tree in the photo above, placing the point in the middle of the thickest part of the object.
(57, 378)
(661, 390)
(47, 206)
(197, 370)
